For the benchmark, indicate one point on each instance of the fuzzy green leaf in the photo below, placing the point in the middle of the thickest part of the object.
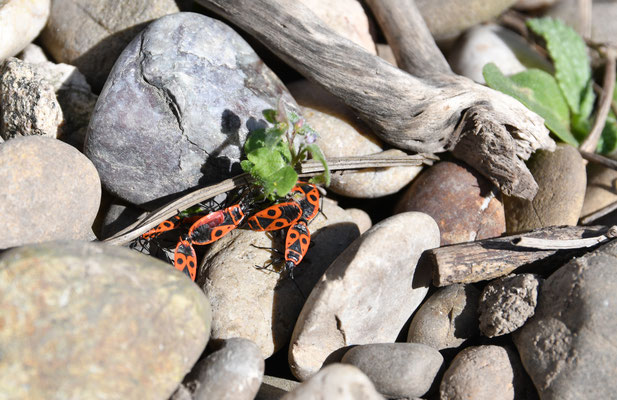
(608, 140)
(270, 115)
(324, 177)
(568, 51)
(543, 97)
(280, 183)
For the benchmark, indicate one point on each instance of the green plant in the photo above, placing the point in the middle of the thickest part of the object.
(274, 153)
(565, 99)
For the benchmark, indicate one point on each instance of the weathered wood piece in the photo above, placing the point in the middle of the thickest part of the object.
(492, 258)
(427, 115)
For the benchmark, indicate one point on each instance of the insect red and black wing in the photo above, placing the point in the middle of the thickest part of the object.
(185, 258)
(215, 225)
(276, 217)
(309, 201)
(164, 226)
(296, 245)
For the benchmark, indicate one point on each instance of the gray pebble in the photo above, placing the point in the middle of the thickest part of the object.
(336, 382)
(273, 388)
(29, 105)
(90, 321)
(49, 191)
(506, 303)
(447, 319)
(367, 294)
(398, 370)
(234, 371)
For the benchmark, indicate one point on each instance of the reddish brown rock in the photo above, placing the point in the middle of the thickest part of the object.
(464, 204)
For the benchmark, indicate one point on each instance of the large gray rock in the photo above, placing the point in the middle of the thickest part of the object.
(398, 370)
(90, 321)
(20, 23)
(561, 180)
(177, 108)
(569, 347)
(447, 319)
(234, 372)
(260, 304)
(91, 34)
(508, 302)
(29, 105)
(49, 191)
(367, 294)
(336, 382)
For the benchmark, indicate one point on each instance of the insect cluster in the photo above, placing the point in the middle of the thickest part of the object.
(298, 209)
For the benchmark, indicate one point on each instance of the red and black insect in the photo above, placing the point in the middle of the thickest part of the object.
(297, 242)
(309, 199)
(276, 217)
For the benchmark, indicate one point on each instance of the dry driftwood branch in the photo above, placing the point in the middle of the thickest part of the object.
(308, 168)
(426, 115)
(491, 258)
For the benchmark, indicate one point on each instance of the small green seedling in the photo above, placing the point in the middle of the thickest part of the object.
(565, 99)
(273, 154)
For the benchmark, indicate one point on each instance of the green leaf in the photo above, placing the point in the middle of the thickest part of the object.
(543, 97)
(280, 183)
(255, 140)
(608, 140)
(270, 115)
(265, 162)
(568, 51)
(324, 177)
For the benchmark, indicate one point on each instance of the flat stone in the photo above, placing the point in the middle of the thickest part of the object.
(49, 191)
(569, 346)
(342, 134)
(446, 19)
(347, 18)
(91, 34)
(447, 319)
(561, 179)
(367, 294)
(29, 105)
(20, 23)
(336, 381)
(234, 371)
(177, 108)
(260, 304)
(33, 54)
(506, 303)
(465, 205)
(416, 367)
(483, 373)
(91, 321)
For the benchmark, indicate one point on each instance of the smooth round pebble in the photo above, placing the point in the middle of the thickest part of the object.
(506, 303)
(447, 319)
(480, 373)
(261, 304)
(336, 382)
(398, 370)
(561, 180)
(569, 346)
(49, 191)
(601, 188)
(177, 109)
(20, 23)
(233, 372)
(361, 218)
(91, 321)
(342, 134)
(273, 388)
(29, 104)
(465, 205)
(91, 34)
(367, 294)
